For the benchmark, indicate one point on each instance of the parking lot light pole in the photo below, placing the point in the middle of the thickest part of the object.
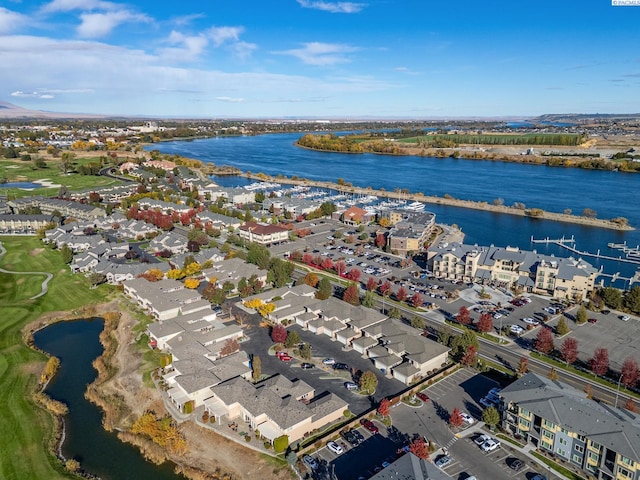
(618, 391)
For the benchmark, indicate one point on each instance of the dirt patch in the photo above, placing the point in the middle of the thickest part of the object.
(36, 251)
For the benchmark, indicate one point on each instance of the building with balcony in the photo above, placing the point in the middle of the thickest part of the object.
(598, 439)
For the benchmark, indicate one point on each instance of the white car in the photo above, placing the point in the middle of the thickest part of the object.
(481, 439)
(329, 361)
(467, 418)
(490, 445)
(531, 321)
(310, 462)
(335, 448)
(625, 318)
(517, 329)
(487, 402)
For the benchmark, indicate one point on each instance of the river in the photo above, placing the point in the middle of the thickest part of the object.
(76, 344)
(610, 194)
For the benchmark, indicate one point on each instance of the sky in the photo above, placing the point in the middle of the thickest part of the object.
(321, 58)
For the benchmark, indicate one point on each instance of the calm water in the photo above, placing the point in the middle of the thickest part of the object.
(611, 194)
(25, 185)
(76, 344)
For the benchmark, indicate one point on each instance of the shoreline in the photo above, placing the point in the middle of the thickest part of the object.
(533, 213)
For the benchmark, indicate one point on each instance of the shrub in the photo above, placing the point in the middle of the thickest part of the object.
(267, 445)
(280, 444)
(247, 438)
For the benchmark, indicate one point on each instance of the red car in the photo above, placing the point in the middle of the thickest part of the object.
(422, 396)
(285, 358)
(592, 320)
(369, 425)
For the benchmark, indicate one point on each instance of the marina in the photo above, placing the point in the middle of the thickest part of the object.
(563, 243)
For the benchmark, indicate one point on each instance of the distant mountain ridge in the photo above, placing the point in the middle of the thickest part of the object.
(9, 110)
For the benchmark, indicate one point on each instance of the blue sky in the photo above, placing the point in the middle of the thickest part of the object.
(320, 58)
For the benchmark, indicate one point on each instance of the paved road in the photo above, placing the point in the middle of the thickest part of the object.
(45, 284)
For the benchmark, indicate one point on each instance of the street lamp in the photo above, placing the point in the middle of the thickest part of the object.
(618, 391)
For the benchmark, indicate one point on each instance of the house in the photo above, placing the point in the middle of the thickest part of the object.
(164, 299)
(233, 270)
(263, 233)
(410, 467)
(356, 215)
(173, 241)
(25, 224)
(600, 440)
(275, 407)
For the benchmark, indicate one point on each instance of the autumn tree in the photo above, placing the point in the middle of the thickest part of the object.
(311, 279)
(383, 408)
(600, 361)
(340, 268)
(371, 284)
(256, 368)
(385, 288)
(416, 300)
(464, 316)
(401, 294)
(192, 283)
(351, 295)
(588, 389)
(455, 419)
(544, 341)
(485, 324)
(523, 366)
(631, 405)
(569, 350)
(327, 263)
(278, 334)
(230, 346)
(553, 374)
(354, 274)
(630, 372)
(470, 357)
(419, 448)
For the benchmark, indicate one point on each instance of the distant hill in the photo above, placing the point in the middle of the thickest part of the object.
(586, 118)
(9, 110)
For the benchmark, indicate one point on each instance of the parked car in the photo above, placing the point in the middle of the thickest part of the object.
(467, 418)
(350, 437)
(351, 386)
(340, 366)
(279, 354)
(516, 464)
(329, 361)
(593, 320)
(516, 329)
(487, 402)
(307, 365)
(490, 445)
(443, 461)
(310, 462)
(358, 436)
(531, 321)
(605, 312)
(624, 318)
(285, 358)
(481, 439)
(335, 448)
(539, 476)
(369, 425)
(422, 396)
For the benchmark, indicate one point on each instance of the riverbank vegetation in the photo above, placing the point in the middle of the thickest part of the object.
(29, 436)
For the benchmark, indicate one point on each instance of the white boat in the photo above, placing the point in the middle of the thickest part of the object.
(415, 207)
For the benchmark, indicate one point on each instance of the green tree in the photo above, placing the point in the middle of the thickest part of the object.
(418, 322)
(256, 368)
(561, 327)
(96, 278)
(280, 272)
(394, 312)
(325, 289)
(280, 444)
(632, 299)
(67, 253)
(611, 296)
(460, 344)
(581, 315)
(369, 299)
(305, 351)
(368, 382)
(259, 255)
(445, 333)
(491, 417)
(293, 338)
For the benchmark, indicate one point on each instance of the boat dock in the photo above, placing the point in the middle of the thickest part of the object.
(563, 242)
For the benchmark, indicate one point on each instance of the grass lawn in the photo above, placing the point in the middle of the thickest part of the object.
(27, 429)
(17, 170)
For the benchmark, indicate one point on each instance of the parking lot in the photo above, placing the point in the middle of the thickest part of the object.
(463, 390)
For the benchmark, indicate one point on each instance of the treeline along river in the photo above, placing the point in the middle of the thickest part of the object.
(610, 194)
(76, 344)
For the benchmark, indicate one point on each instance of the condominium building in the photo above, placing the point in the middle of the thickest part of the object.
(601, 441)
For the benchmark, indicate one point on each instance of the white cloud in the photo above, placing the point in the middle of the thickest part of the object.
(85, 5)
(230, 99)
(406, 71)
(184, 48)
(96, 25)
(184, 20)
(10, 20)
(243, 50)
(220, 35)
(333, 7)
(321, 54)
(21, 94)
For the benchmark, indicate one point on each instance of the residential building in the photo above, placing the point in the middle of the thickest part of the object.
(356, 216)
(263, 233)
(410, 467)
(410, 232)
(559, 277)
(602, 441)
(24, 224)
